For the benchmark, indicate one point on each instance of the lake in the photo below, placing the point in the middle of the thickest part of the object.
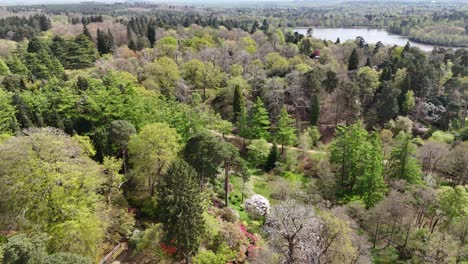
(371, 36)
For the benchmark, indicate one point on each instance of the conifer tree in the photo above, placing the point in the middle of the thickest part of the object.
(272, 158)
(403, 164)
(353, 62)
(315, 110)
(255, 27)
(260, 122)
(285, 130)
(180, 209)
(87, 33)
(238, 102)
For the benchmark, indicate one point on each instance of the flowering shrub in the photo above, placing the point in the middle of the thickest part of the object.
(168, 249)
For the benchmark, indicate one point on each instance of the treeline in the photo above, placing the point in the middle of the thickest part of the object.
(18, 28)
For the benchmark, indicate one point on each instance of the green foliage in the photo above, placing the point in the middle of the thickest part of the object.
(272, 158)
(21, 249)
(403, 164)
(285, 132)
(260, 121)
(4, 70)
(453, 201)
(180, 208)
(151, 152)
(162, 75)
(441, 136)
(66, 258)
(238, 102)
(68, 213)
(259, 150)
(360, 163)
(315, 110)
(8, 123)
(353, 62)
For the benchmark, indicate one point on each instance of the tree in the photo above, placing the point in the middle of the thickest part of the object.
(180, 209)
(151, 152)
(260, 122)
(353, 62)
(62, 200)
(370, 185)
(119, 134)
(113, 180)
(21, 249)
(272, 158)
(86, 33)
(4, 70)
(368, 81)
(204, 153)
(315, 110)
(8, 122)
(359, 161)
(291, 227)
(285, 133)
(258, 151)
(265, 25)
(231, 161)
(105, 42)
(453, 202)
(162, 75)
(238, 102)
(402, 163)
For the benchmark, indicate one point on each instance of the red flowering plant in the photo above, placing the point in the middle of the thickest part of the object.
(168, 249)
(252, 249)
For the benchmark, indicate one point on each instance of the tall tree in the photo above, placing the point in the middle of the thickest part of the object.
(238, 102)
(151, 152)
(403, 164)
(260, 121)
(285, 132)
(180, 209)
(353, 62)
(231, 162)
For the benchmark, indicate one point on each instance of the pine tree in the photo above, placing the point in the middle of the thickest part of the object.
(353, 62)
(370, 185)
(87, 33)
(255, 27)
(260, 122)
(265, 25)
(151, 34)
(180, 209)
(101, 42)
(315, 110)
(403, 164)
(285, 130)
(238, 102)
(272, 158)
(368, 63)
(110, 39)
(242, 123)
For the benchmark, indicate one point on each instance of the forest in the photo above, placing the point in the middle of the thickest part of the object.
(152, 133)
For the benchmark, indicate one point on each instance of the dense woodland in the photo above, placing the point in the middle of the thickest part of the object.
(198, 135)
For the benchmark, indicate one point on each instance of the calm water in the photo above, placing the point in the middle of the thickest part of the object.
(371, 36)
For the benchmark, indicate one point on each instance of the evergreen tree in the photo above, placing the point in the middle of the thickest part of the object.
(338, 41)
(255, 27)
(81, 53)
(353, 62)
(285, 130)
(238, 102)
(242, 123)
(371, 185)
(260, 122)
(265, 25)
(272, 158)
(368, 63)
(110, 38)
(403, 164)
(180, 209)
(87, 33)
(151, 34)
(315, 110)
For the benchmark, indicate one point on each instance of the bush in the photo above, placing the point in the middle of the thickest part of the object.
(258, 151)
(441, 136)
(66, 258)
